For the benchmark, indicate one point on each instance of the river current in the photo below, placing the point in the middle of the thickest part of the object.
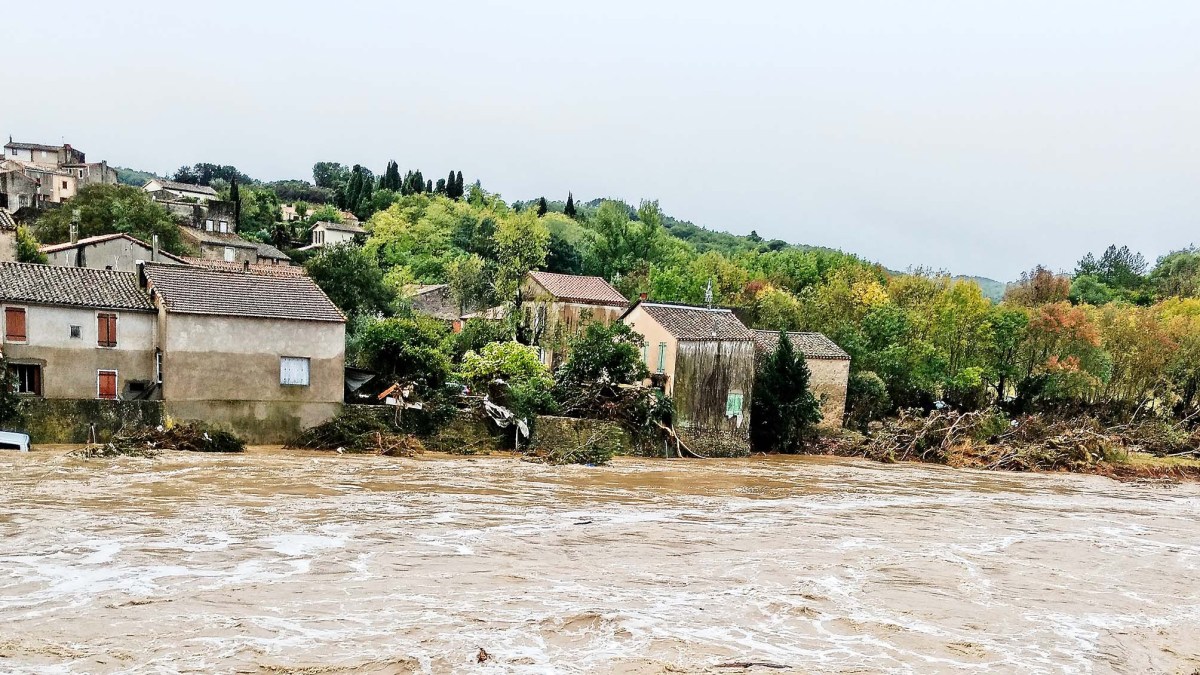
(293, 562)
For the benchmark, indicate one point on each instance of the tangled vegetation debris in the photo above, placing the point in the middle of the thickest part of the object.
(358, 430)
(151, 441)
(987, 439)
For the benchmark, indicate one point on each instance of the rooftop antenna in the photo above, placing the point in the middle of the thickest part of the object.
(708, 297)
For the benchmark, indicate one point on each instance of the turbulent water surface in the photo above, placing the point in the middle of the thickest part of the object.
(305, 563)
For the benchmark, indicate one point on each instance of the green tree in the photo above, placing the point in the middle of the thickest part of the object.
(604, 354)
(105, 209)
(569, 210)
(1177, 274)
(783, 411)
(330, 175)
(28, 248)
(237, 204)
(542, 207)
(406, 350)
(351, 278)
(468, 281)
(522, 244)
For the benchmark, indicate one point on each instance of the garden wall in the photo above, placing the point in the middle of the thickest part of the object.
(68, 420)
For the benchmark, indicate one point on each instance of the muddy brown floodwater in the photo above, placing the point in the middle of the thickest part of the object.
(290, 562)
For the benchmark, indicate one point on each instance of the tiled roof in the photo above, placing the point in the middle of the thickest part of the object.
(572, 288)
(73, 287)
(216, 238)
(269, 251)
(101, 238)
(268, 270)
(422, 289)
(812, 345)
(339, 227)
(185, 187)
(192, 290)
(33, 146)
(6, 221)
(687, 322)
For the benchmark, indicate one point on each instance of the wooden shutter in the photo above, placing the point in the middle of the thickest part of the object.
(108, 384)
(14, 324)
(106, 330)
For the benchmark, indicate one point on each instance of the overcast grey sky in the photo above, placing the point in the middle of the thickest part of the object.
(975, 137)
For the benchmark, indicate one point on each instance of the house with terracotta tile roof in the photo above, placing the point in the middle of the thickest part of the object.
(704, 358)
(116, 251)
(828, 367)
(556, 307)
(256, 354)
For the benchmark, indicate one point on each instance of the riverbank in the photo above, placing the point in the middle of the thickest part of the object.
(293, 561)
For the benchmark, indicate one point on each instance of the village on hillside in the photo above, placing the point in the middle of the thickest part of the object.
(106, 331)
(392, 312)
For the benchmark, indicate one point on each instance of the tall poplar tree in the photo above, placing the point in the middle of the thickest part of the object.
(235, 197)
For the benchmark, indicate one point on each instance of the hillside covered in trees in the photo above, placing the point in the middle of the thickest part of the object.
(1118, 331)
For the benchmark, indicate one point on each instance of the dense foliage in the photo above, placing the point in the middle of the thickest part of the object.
(783, 411)
(105, 209)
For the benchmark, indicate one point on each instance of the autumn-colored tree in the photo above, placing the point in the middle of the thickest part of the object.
(1037, 287)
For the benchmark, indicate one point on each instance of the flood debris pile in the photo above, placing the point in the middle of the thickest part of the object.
(358, 430)
(151, 441)
(987, 439)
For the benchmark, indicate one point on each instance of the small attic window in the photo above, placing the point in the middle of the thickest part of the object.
(75, 332)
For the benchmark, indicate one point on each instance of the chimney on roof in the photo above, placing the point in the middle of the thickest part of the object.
(154, 248)
(642, 297)
(245, 265)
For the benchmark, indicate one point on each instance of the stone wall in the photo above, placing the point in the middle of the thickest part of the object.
(467, 435)
(68, 420)
(551, 433)
(827, 381)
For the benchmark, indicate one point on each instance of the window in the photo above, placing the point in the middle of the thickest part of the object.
(106, 384)
(64, 185)
(293, 370)
(158, 366)
(733, 404)
(208, 225)
(224, 226)
(646, 354)
(76, 332)
(230, 254)
(662, 357)
(14, 324)
(28, 378)
(106, 330)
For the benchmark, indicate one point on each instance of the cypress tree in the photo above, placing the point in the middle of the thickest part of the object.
(441, 186)
(236, 198)
(354, 189)
(570, 209)
(542, 207)
(450, 192)
(418, 182)
(458, 187)
(429, 186)
(783, 411)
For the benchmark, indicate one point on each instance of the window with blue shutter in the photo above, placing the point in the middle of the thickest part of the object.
(662, 357)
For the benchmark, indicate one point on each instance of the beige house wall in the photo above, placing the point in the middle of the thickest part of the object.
(70, 365)
(8, 245)
(225, 371)
(654, 335)
(827, 381)
(118, 254)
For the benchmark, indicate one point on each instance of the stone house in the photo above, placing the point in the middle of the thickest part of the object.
(828, 366)
(556, 307)
(168, 190)
(43, 155)
(704, 358)
(325, 233)
(434, 300)
(8, 237)
(117, 251)
(263, 355)
(72, 332)
(259, 355)
(34, 175)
